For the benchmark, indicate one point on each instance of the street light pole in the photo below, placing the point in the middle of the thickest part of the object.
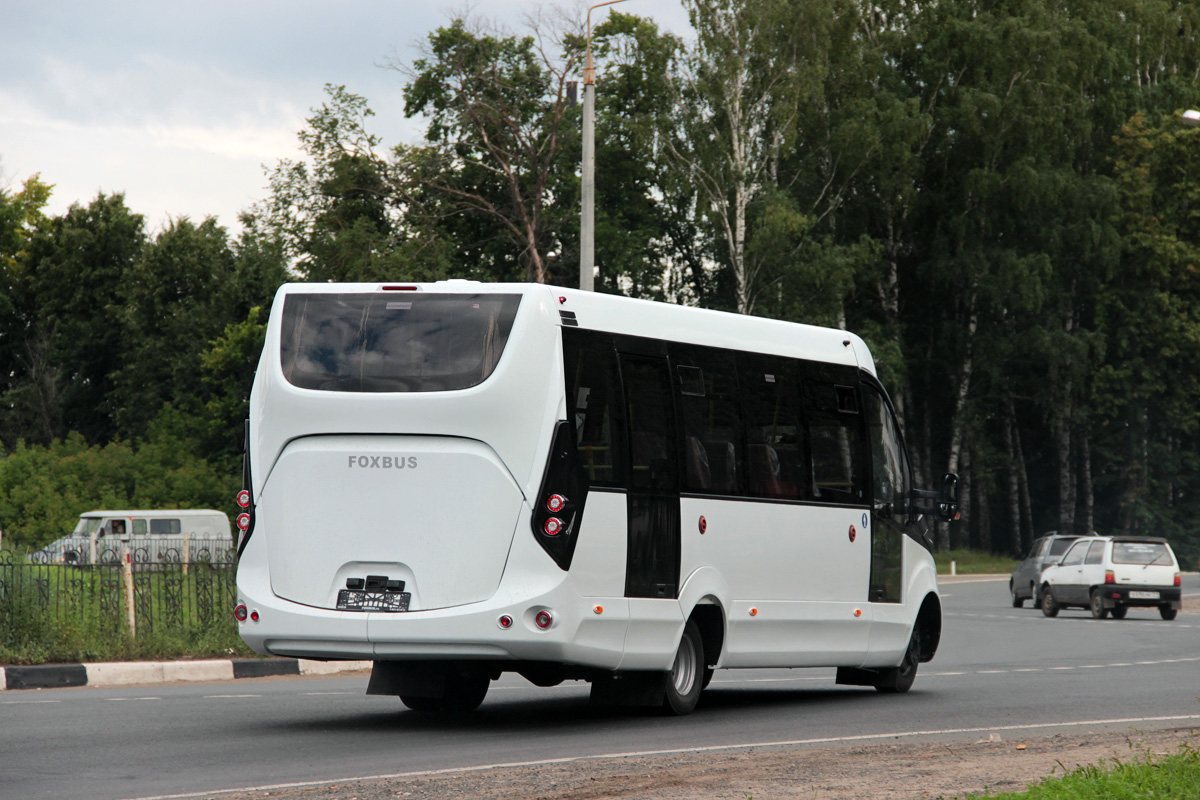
(587, 221)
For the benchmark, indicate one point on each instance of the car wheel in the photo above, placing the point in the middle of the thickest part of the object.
(1097, 605)
(1017, 600)
(1167, 612)
(899, 680)
(1049, 607)
(686, 679)
(1119, 612)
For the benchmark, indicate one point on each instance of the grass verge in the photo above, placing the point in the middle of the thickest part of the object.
(1171, 777)
(972, 562)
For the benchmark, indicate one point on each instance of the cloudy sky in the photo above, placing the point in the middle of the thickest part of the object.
(180, 105)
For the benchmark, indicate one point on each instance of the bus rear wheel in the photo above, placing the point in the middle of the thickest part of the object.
(685, 681)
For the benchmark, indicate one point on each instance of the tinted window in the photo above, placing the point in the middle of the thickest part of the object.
(164, 526)
(889, 471)
(651, 426)
(831, 412)
(708, 398)
(390, 342)
(775, 452)
(594, 405)
(1059, 546)
(1141, 553)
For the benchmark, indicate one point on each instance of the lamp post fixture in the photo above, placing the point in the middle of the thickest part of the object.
(1191, 117)
(587, 222)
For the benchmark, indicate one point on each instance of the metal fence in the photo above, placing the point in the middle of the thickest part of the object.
(138, 590)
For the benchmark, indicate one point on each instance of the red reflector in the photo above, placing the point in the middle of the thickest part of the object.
(243, 498)
(505, 621)
(543, 619)
(243, 522)
(254, 616)
(555, 502)
(240, 613)
(552, 526)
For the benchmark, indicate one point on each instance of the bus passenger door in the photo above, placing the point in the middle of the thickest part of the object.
(652, 555)
(652, 560)
(890, 519)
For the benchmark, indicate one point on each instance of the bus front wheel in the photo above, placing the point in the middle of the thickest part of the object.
(686, 679)
(898, 680)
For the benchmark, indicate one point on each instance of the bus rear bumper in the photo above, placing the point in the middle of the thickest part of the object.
(587, 632)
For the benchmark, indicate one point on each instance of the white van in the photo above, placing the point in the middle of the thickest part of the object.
(151, 535)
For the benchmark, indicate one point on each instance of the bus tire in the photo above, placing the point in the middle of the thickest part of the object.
(465, 690)
(899, 680)
(421, 703)
(685, 681)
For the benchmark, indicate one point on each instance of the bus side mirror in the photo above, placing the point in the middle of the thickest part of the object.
(947, 499)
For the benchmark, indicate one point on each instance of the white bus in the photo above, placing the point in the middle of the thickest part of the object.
(454, 480)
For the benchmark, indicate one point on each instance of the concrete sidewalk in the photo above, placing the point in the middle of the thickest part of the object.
(52, 676)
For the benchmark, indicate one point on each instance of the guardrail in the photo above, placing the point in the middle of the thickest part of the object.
(136, 590)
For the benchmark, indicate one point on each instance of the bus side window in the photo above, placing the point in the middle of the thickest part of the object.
(594, 406)
(774, 435)
(706, 385)
(831, 413)
(139, 527)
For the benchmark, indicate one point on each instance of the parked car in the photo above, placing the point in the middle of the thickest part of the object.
(1111, 574)
(1045, 551)
(150, 534)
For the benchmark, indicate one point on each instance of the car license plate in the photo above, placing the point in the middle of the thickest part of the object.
(376, 600)
(1143, 595)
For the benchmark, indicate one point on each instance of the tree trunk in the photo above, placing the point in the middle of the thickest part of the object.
(1015, 547)
(964, 387)
(1089, 499)
(960, 532)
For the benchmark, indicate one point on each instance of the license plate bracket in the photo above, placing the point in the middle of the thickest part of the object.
(374, 600)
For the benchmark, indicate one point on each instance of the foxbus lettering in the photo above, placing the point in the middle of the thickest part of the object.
(382, 462)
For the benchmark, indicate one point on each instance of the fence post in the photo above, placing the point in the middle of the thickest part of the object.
(187, 552)
(127, 584)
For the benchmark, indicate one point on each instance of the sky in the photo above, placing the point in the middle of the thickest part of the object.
(182, 106)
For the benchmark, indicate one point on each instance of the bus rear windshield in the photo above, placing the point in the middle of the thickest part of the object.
(390, 343)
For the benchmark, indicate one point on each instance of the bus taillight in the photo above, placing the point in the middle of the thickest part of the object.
(240, 613)
(243, 498)
(243, 521)
(543, 619)
(552, 526)
(555, 503)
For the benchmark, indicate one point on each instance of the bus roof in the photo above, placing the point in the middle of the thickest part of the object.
(647, 318)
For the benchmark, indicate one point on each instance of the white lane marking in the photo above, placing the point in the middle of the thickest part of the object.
(1131, 721)
(26, 702)
(126, 699)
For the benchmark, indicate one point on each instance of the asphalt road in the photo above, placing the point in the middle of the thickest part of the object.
(999, 669)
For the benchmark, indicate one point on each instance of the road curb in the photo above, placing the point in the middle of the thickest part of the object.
(54, 676)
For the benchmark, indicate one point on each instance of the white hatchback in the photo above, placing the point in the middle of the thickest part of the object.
(1110, 574)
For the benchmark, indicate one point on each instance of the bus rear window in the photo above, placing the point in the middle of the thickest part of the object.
(390, 343)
